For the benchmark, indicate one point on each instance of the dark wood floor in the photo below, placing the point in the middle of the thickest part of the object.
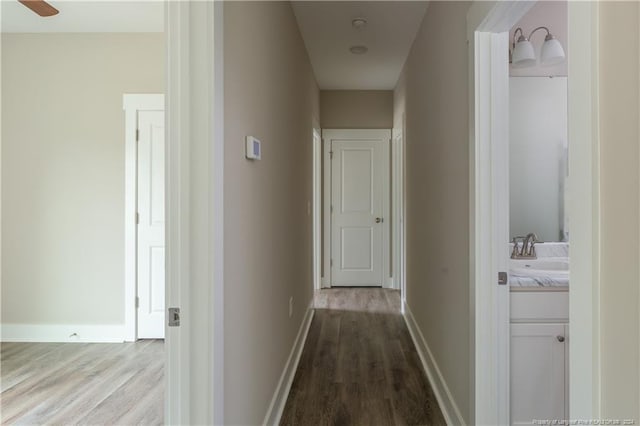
(82, 383)
(359, 366)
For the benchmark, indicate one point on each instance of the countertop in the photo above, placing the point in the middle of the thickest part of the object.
(543, 281)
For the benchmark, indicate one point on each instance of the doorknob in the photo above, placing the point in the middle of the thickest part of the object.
(378, 219)
(560, 338)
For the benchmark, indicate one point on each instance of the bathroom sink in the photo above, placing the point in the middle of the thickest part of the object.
(549, 268)
(544, 264)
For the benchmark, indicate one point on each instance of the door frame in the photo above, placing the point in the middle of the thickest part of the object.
(194, 118)
(398, 243)
(387, 280)
(487, 109)
(316, 205)
(488, 26)
(132, 105)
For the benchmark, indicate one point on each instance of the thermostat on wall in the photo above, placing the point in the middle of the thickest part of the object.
(254, 151)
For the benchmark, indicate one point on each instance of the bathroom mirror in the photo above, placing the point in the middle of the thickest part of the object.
(538, 157)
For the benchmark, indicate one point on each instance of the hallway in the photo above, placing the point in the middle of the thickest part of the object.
(359, 365)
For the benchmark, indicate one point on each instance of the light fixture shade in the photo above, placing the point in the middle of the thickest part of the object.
(552, 53)
(523, 54)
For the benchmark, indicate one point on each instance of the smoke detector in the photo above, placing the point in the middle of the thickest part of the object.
(359, 23)
(359, 50)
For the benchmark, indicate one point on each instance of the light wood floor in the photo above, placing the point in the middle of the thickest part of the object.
(359, 365)
(82, 383)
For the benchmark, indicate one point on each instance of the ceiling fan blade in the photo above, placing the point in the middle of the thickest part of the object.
(40, 7)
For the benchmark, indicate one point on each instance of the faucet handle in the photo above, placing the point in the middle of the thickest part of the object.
(514, 252)
(532, 247)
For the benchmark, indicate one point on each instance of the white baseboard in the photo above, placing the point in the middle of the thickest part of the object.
(98, 333)
(446, 401)
(274, 413)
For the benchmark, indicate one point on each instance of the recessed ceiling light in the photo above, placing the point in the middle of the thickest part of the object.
(359, 23)
(359, 50)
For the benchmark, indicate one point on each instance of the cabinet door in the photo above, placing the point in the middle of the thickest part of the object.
(537, 372)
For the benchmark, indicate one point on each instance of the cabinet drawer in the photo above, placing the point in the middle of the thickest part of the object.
(540, 306)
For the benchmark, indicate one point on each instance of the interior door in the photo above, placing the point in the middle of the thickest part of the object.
(359, 182)
(151, 239)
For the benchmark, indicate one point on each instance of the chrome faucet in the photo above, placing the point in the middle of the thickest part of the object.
(528, 249)
(529, 241)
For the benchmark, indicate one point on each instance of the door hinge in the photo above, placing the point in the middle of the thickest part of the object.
(331, 208)
(174, 317)
(331, 155)
(137, 218)
(137, 302)
(503, 278)
(331, 263)
(137, 135)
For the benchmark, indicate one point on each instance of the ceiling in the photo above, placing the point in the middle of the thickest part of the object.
(325, 26)
(85, 16)
(328, 34)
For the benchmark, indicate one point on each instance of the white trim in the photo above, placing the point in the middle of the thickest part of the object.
(326, 223)
(216, 32)
(397, 182)
(132, 105)
(488, 25)
(385, 136)
(194, 236)
(446, 402)
(98, 333)
(387, 279)
(143, 101)
(316, 206)
(583, 207)
(403, 247)
(177, 373)
(500, 225)
(279, 399)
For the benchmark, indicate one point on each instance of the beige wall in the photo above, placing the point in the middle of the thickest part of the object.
(63, 171)
(619, 92)
(270, 93)
(432, 91)
(356, 109)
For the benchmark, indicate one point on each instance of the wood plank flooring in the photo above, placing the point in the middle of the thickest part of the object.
(359, 365)
(82, 383)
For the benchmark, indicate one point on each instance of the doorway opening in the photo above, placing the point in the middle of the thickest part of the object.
(78, 65)
(357, 211)
(144, 216)
(489, 77)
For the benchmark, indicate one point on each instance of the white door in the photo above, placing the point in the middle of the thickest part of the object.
(538, 372)
(359, 203)
(151, 242)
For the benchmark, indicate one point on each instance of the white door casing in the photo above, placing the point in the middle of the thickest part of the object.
(316, 205)
(488, 25)
(359, 217)
(194, 376)
(397, 215)
(151, 225)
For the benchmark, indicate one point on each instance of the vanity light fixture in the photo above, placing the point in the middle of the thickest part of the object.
(524, 56)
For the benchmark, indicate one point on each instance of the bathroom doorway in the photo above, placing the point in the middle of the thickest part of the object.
(489, 77)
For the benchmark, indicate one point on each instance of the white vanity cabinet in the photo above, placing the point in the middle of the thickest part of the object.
(539, 356)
